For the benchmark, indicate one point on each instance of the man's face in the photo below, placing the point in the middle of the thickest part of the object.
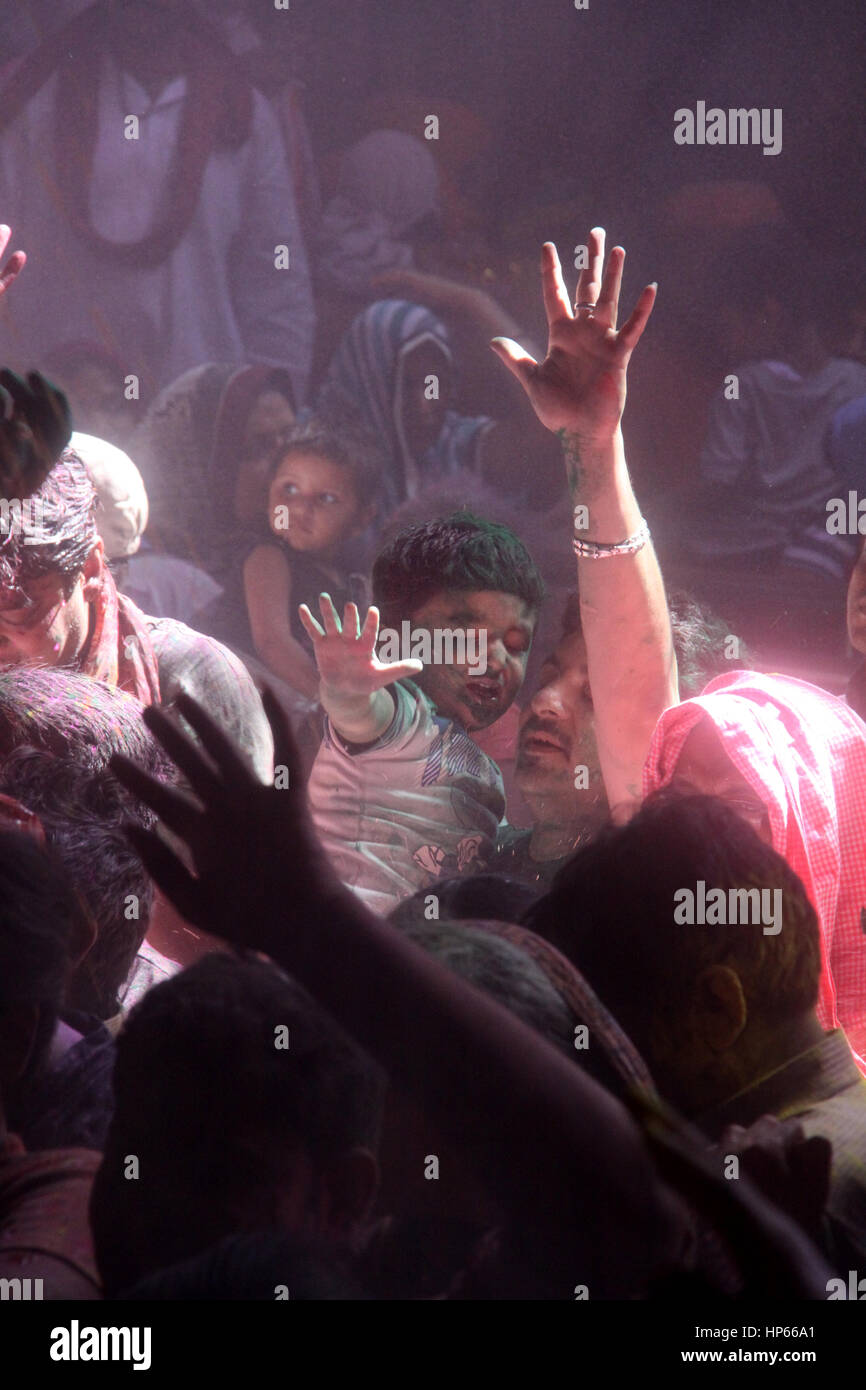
(54, 629)
(557, 731)
(476, 701)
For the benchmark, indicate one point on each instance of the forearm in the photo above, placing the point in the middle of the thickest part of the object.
(539, 1131)
(626, 625)
(358, 718)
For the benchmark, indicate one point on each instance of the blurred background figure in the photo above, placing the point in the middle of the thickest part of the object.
(150, 182)
(204, 448)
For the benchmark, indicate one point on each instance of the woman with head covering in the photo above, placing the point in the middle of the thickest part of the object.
(386, 366)
(204, 448)
(791, 759)
(395, 368)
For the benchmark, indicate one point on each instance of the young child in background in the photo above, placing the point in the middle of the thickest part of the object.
(322, 491)
(400, 792)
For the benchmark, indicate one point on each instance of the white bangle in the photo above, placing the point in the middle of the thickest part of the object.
(602, 550)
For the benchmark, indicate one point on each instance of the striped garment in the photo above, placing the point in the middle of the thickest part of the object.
(368, 368)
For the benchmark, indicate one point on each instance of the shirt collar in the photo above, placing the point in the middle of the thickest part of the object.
(817, 1074)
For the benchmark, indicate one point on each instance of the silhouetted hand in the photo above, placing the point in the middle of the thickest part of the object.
(580, 387)
(35, 427)
(256, 855)
(15, 264)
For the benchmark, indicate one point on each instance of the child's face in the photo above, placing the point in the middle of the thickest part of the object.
(504, 624)
(312, 504)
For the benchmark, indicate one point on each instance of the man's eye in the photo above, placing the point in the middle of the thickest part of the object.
(328, 498)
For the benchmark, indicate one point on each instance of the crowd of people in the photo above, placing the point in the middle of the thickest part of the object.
(410, 886)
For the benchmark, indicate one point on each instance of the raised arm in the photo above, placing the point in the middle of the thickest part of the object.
(579, 393)
(268, 594)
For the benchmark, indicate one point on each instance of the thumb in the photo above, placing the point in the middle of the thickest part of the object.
(398, 670)
(518, 362)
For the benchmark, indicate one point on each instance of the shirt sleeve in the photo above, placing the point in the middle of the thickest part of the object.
(219, 681)
(408, 718)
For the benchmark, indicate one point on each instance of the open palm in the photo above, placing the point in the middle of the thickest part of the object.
(346, 654)
(580, 386)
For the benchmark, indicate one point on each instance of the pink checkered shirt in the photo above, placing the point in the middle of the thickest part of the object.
(804, 752)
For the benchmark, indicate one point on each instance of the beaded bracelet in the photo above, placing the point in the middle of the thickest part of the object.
(602, 550)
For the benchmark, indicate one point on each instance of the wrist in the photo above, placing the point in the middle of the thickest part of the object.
(359, 718)
(338, 698)
(588, 442)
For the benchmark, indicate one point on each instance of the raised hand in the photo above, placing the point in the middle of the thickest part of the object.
(35, 427)
(346, 654)
(580, 387)
(255, 852)
(15, 264)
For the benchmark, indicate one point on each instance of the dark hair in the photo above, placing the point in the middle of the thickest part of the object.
(75, 716)
(63, 535)
(349, 446)
(217, 1112)
(611, 908)
(83, 814)
(503, 971)
(39, 916)
(492, 897)
(460, 551)
(699, 636)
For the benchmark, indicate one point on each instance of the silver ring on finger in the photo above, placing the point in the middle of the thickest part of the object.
(584, 304)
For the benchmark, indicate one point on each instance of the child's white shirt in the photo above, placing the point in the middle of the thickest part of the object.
(422, 802)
